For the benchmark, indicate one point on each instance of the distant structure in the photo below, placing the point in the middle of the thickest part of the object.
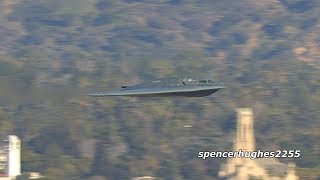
(259, 168)
(13, 166)
(10, 158)
(144, 178)
(245, 137)
(35, 175)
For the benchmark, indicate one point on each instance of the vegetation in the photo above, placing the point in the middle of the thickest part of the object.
(266, 52)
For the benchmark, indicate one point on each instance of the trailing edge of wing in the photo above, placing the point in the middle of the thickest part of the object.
(147, 91)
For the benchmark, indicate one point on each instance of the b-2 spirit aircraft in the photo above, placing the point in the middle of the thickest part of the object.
(164, 87)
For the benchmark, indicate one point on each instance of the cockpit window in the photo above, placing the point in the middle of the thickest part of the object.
(206, 81)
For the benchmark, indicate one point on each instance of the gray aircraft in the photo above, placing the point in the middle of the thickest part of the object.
(174, 86)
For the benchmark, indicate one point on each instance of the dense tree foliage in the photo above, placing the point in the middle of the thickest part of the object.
(266, 52)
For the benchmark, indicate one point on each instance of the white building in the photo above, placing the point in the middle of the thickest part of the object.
(246, 168)
(10, 158)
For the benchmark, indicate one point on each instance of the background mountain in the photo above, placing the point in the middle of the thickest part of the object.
(265, 51)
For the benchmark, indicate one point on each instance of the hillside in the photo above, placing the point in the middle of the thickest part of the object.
(265, 52)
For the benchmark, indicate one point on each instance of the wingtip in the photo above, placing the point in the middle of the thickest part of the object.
(98, 94)
(221, 87)
(88, 94)
(92, 94)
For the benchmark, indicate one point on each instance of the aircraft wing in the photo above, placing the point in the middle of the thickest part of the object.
(153, 91)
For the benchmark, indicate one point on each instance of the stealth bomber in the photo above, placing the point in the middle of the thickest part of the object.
(164, 87)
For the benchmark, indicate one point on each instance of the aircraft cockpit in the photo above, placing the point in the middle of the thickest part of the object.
(206, 81)
(190, 81)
